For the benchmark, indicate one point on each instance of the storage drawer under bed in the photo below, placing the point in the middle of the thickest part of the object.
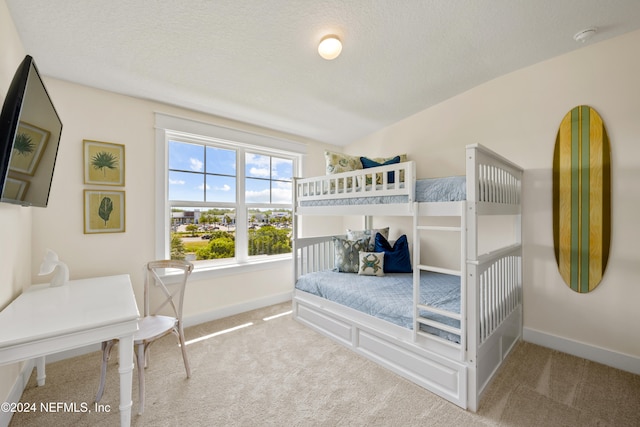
(442, 376)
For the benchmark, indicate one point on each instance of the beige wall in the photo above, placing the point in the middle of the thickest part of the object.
(89, 113)
(15, 221)
(518, 115)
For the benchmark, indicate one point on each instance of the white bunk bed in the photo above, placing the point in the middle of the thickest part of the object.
(490, 316)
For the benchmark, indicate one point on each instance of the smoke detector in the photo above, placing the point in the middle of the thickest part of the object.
(584, 35)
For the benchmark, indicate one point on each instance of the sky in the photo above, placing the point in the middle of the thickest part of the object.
(208, 174)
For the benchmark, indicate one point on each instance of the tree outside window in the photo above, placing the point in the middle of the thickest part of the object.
(210, 219)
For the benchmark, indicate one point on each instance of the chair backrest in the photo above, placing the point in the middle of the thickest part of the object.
(162, 275)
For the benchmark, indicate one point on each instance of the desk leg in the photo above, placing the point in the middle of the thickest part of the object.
(40, 371)
(126, 377)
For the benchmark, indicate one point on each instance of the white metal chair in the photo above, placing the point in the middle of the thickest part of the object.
(152, 325)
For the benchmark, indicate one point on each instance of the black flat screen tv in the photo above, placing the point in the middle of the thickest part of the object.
(30, 131)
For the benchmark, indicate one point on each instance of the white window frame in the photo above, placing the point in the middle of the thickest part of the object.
(168, 127)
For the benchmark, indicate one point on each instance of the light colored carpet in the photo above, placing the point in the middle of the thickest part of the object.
(279, 372)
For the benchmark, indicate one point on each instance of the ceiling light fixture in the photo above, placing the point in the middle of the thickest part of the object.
(584, 35)
(330, 47)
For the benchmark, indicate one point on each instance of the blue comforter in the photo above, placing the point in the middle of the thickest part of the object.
(448, 189)
(389, 297)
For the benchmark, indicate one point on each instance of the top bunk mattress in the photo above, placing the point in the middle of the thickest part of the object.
(447, 189)
(389, 297)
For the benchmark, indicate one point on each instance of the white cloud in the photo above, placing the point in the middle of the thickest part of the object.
(196, 165)
(202, 187)
(281, 195)
(258, 165)
(263, 172)
(257, 196)
(282, 165)
(176, 182)
(278, 195)
(257, 159)
(223, 188)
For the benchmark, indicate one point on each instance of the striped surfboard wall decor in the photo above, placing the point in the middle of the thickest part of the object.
(582, 199)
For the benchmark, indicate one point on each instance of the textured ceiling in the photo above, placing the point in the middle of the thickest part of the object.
(256, 61)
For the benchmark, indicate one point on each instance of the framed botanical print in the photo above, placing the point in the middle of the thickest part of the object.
(28, 147)
(104, 211)
(103, 163)
(15, 188)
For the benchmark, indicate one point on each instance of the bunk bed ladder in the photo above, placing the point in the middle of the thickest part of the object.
(419, 267)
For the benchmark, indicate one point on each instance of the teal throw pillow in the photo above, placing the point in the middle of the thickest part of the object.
(347, 253)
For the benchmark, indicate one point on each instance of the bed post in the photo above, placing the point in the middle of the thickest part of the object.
(470, 217)
(416, 271)
(294, 230)
(471, 204)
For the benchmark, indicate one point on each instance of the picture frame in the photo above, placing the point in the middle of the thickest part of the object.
(104, 211)
(103, 163)
(28, 147)
(15, 188)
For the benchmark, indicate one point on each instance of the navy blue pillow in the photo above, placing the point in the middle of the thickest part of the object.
(368, 163)
(397, 258)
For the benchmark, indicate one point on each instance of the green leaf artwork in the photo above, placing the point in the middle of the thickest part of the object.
(23, 144)
(106, 207)
(103, 161)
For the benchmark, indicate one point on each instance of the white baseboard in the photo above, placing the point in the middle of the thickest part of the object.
(16, 391)
(236, 309)
(607, 357)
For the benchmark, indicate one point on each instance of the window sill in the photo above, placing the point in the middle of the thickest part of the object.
(216, 271)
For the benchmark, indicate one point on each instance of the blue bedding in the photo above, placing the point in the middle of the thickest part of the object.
(389, 297)
(448, 189)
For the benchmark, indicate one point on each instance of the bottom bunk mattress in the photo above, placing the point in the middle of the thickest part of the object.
(389, 297)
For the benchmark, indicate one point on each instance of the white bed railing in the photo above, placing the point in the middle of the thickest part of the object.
(493, 180)
(494, 186)
(359, 183)
(311, 254)
(498, 286)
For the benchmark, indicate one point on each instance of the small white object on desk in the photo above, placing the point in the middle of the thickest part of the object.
(51, 263)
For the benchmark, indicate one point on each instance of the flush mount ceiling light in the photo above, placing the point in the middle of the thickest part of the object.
(584, 35)
(330, 47)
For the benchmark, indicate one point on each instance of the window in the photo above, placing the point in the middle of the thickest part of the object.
(224, 201)
(201, 173)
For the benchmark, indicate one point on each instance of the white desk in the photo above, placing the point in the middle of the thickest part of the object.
(49, 320)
